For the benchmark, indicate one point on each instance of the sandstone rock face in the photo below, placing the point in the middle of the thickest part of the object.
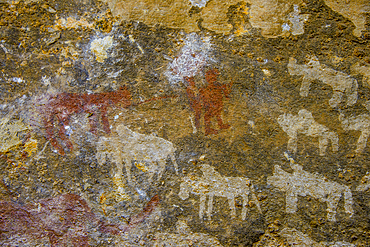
(184, 123)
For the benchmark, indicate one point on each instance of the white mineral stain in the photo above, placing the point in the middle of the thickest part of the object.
(71, 22)
(199, 3)
(100, 46)
(194, 55)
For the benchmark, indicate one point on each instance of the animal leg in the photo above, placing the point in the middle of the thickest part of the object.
(245, 205)
(162, 167)
(362, 140)
(332, 203)
(152, 170)
(323, 143)
(128, 169)
(104, 119)
(220, 123)
(210, 206)
(305, 87)
(291, 202)
(49, 127)
(202, 205)
(93, 120)
(336, 99)
(232, 206)
(334, 141)
(292, 144)
(173, 159)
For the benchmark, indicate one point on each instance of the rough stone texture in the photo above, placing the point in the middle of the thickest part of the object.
(184, 123)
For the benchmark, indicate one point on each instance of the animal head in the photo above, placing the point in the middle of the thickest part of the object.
(279, 179)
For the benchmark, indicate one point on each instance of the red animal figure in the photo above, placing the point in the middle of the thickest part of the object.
(64, 220)
(61, 106)
(212, 100)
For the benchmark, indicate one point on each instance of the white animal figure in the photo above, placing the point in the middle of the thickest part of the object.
(359, 123)
(129, 146)
(341, 83)
(213, 184)
(365, 184)
(304, 123)
(184, 237)
(302, 183)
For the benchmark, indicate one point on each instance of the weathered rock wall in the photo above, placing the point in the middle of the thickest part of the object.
(184, 123)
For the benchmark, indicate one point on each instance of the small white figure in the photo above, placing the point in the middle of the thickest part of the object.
(359, 123)
(130, 146)
(341, 83)
(213, 184)
(184, 237)
(302, 183)
(304, 123)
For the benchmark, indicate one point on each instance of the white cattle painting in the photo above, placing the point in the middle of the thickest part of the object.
(131, 146)
(304, 123)
(213, 184)
(359, 123)
(302, 183)
(341, 83)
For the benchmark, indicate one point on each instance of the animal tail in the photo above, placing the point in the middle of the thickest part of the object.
(352, 93)
(153, 99)
(255, 199)
(348, 200)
